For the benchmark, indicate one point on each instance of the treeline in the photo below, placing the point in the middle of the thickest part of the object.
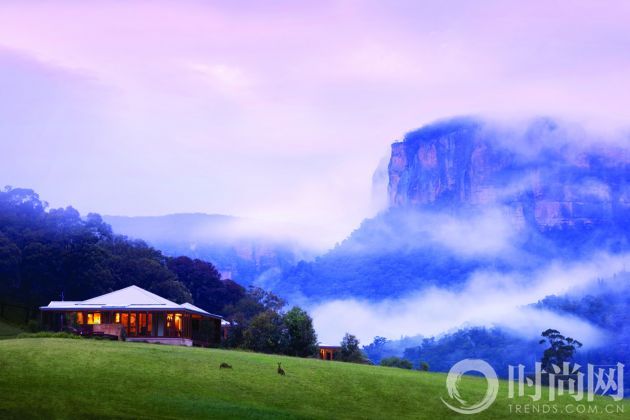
(53, 254)
(49, 254)
(605, 305)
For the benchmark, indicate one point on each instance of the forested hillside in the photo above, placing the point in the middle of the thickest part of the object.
(605, 305)
(53, 254)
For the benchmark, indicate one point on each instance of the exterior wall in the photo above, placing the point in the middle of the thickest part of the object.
(156, 329)
(111, 329)
(328, 352)
(217, 330)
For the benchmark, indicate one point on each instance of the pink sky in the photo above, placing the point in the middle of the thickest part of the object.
(279, 111)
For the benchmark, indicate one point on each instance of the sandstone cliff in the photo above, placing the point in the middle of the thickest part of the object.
(549, 180)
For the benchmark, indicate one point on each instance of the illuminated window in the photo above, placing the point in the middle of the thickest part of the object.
(173, 325)
(80, 318)
(178, 323)
(117, 318)
(93, 318)
(133, 324)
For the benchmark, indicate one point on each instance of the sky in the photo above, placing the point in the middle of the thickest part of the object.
(278, 111)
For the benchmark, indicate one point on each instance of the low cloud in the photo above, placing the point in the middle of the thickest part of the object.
(488, 231)
(488, 299)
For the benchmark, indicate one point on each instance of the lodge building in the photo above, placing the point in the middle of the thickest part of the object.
(135, 314)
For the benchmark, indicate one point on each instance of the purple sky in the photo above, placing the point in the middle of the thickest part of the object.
(279, 111)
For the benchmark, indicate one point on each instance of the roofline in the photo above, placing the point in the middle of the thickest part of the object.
(158, 304)
(133, 286)
(127, 309)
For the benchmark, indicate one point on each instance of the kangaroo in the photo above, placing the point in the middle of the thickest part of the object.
(224, 365)
(280, 370)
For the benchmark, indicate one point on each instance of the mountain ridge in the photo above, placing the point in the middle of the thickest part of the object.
(466, 162)
(466, 195)
(238, 253)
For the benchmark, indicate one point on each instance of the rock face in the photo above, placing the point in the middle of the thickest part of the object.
(548, 180)
(455, 188)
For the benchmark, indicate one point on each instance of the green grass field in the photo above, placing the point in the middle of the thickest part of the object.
(8, 330)
(61, 378)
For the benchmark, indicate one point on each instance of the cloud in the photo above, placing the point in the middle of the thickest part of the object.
(488, 231)
(228, 80)
(284, 111)
(488, 299)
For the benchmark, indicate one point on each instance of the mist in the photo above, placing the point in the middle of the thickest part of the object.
(488, 299)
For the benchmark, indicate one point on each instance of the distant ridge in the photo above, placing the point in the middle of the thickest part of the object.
(236, 246)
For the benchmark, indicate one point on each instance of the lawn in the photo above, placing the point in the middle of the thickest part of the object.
(7, 330)
(61, 378)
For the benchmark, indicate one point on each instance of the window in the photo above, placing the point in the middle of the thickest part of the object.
(124, 318)
(117, 318)
(169, 325)
(93, 318)
(178, 324)
(142, 326)
(174, 325)
(133, 324)
(79, 318)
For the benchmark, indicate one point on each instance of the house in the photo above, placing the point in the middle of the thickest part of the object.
(138, 315)
(328, 352)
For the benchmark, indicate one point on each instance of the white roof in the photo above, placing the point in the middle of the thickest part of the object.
(192, 307)
(129, 298)
(132, 295)
(61, 304)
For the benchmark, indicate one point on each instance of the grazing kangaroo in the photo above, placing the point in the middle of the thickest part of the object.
(224, 365)
(280, 370)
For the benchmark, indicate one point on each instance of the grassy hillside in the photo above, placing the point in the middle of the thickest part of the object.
(57, 378)
(8, 330)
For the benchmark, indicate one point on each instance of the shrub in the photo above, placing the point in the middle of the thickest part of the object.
(32, 326)
(424, 366)
(396, 362)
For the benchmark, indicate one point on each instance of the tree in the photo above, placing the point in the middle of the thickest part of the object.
(95, 223)
(266, 299)
(561, 349)
(376, 350)
(255, 301)
(302, 339)
(424, 366)
(350, 351)
(46, 253)
(266, 333)
(204, 282)
(10, 258)
(397, 362)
